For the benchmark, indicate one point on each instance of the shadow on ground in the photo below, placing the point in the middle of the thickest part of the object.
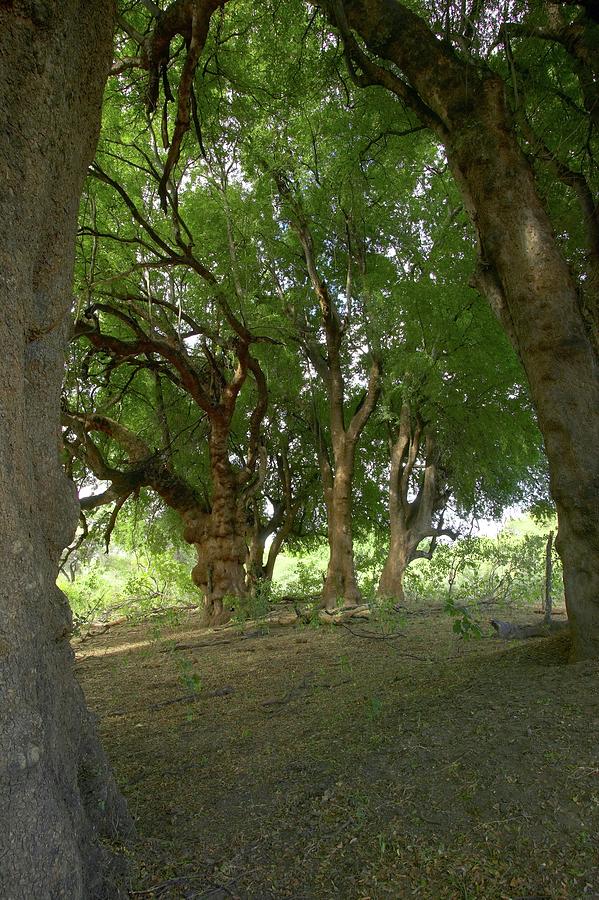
(322, 762)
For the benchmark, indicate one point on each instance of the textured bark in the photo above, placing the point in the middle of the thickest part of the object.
(411, 521)
(340, 582)
(220, 571)
(57, 796)
(548, 605)
(522, 272)
(391, 580)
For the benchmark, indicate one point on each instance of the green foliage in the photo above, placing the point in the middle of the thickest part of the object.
(380, 204)
(89, 595)
(509, 568)
(307, 579)
(188, 677)
(463, 623)
(255, 604)
(132, 584)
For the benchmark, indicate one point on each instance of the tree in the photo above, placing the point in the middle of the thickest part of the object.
(454, 415)
(279, 507)
(213, 378)
(57, 795)
(411, 519)
(336, 467)
(549, 315)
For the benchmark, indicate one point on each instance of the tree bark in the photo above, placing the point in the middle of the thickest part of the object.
(522, 272)
(391, 580)
(220, 570)
(548, 605)
(340, 582)
(411, 521)
(57, 795)
(255, 568)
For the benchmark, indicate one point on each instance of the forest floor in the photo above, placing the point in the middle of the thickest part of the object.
(315, 762)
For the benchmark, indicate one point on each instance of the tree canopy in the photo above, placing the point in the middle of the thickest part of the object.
(281, 259)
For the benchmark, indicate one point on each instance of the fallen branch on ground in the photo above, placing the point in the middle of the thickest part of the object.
(373, 635)
(510, 631)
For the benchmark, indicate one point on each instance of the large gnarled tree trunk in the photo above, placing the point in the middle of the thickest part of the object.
(522, 270)
(220, 571)
(219, 536)
(217, 533)
(57, 796)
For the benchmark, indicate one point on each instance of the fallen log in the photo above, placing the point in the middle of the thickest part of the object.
(338, 617)
(510, 631)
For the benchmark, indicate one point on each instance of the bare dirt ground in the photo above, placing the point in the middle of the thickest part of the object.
(315, 762)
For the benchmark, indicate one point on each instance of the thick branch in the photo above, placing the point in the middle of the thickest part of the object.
(148, 470)
(366, 408)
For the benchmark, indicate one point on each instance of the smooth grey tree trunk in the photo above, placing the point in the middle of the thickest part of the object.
(57, 796)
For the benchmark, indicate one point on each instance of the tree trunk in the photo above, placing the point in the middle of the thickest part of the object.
(57, 795)
(276, 545)
(256, 570)
(391, 580)
(220, 571)
(340, 582)
(537, 302)
(548, 605)
(523, 274)
(410, 521)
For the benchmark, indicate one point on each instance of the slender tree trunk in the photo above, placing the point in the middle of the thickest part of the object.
(277, 542)
(255, 568)
(57, 796)
(273, 553)
(548, 578)
(391, 580)
(524, 275)
(410, 521)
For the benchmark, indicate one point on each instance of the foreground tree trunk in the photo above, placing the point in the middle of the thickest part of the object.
(522, 270)
(57, 795)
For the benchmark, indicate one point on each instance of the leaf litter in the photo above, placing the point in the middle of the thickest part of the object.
(306, 762)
